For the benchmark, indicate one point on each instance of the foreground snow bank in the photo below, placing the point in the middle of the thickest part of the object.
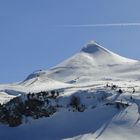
(104, 123)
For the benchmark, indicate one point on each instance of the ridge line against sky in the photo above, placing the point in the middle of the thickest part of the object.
(101, 25)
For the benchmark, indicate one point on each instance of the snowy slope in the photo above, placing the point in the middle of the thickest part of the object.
(39, 81)
(94, 62)
(101, 122)
(89, 75)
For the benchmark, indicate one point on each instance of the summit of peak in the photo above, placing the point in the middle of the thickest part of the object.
(93, 47)
(93, 42)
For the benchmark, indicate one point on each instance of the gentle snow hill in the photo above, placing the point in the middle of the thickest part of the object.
(38, 81)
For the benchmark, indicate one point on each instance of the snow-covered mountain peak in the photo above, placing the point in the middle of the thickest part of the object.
(97, 52)
(90, 62)
(93, 47)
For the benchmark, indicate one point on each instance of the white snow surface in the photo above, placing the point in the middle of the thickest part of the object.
(96, 63)
(85, 75)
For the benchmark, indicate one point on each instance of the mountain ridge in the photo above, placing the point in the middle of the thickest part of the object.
(93, 60)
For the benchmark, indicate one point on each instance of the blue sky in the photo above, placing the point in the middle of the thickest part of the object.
(31, 38)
